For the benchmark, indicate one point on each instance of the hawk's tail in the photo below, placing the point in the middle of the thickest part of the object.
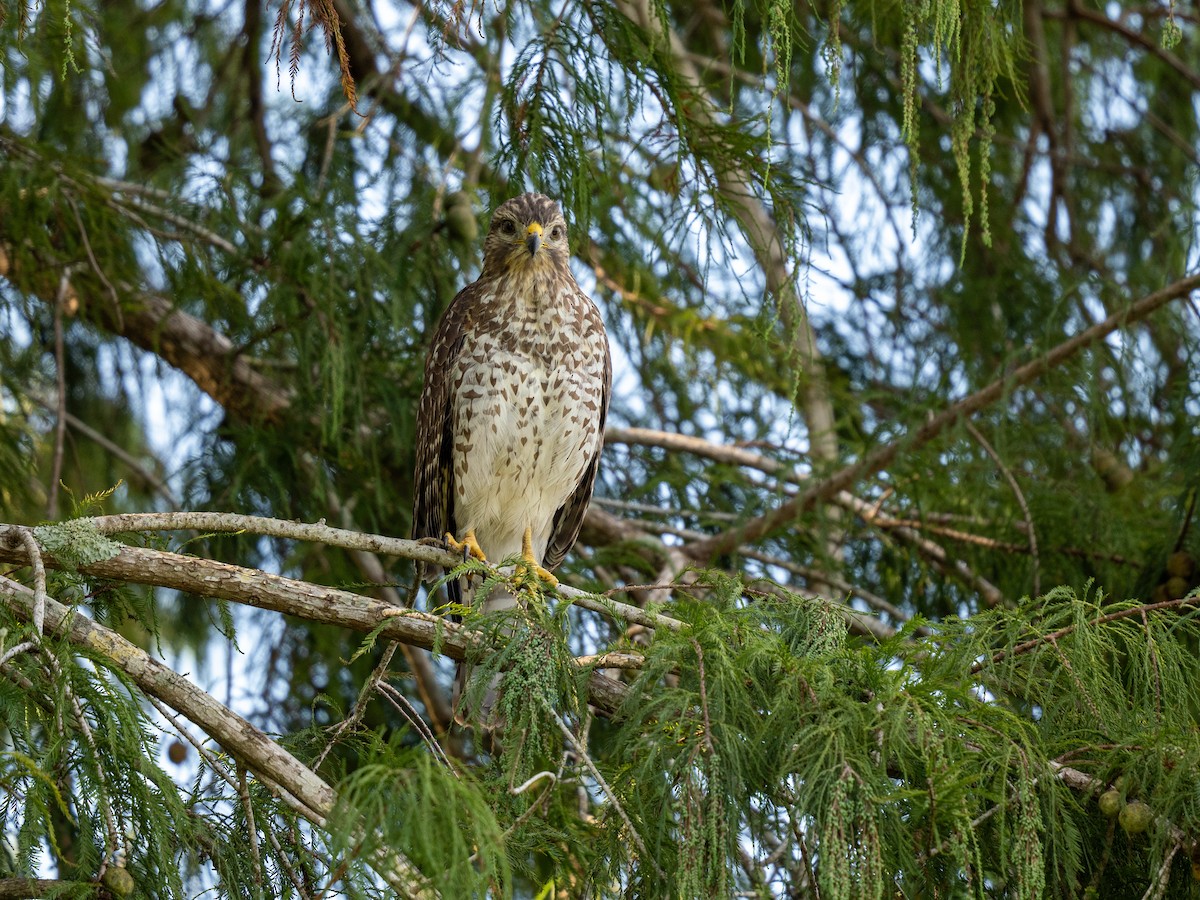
(486, 714)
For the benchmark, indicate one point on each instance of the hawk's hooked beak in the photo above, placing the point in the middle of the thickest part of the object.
(533, 238)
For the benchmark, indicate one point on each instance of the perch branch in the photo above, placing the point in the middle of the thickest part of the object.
(349, 540)
(316, 603)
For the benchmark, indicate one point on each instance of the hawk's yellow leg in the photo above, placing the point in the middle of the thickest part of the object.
(467, 546)
(529, 564)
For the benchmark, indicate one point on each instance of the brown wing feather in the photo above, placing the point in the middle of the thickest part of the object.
(433, 491)
(569, 518)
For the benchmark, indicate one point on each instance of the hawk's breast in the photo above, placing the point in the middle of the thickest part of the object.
(526, 407)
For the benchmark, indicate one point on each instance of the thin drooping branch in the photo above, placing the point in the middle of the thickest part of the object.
(582, 753)
(1019, 494)
(60, 380)
(879, 458)
(273, 764)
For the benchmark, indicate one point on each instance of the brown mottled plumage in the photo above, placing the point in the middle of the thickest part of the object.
(516, 392)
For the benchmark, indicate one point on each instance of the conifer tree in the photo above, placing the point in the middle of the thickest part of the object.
(889, 586)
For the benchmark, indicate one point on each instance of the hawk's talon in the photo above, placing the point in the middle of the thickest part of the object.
(468, 546)
(529, 568)
(528, 564)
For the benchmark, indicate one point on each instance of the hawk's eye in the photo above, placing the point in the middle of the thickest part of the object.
(507, 227)
(556, 233)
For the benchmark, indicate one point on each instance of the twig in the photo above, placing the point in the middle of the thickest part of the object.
(608, 792)
(30, 543)
(60, 382)
(124, 456)
(1070, 670)
(532, 808)
(809, 868)
(1016, 488)
(251, 830)
(214, 764)
(708, 744)
(87, 247)
(131, 208)
(360, 705)
(1159, 885)
(531, 781)
(13, 652)
(1154, 662)
(405, 708)
(664, 511)
(301, 891)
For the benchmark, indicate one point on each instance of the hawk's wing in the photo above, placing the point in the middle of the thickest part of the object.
(569, 518)
(433, 492)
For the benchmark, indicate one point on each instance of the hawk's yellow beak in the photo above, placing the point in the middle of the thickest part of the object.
(533, 238)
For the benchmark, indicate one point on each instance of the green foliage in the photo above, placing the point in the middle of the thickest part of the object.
(80, 775)
(437, 817)
(244, 286)
(894, 764)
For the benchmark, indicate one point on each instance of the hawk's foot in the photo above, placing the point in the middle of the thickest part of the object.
(528, 566)
(468, 546)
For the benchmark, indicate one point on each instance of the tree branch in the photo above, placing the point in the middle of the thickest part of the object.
(350, 540)
(738, 456)
(879, 458)
(1076, 9)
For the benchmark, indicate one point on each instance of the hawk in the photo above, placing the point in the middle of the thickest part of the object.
(516, 392)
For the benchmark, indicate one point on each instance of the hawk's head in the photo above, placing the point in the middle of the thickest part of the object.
(526, 231)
